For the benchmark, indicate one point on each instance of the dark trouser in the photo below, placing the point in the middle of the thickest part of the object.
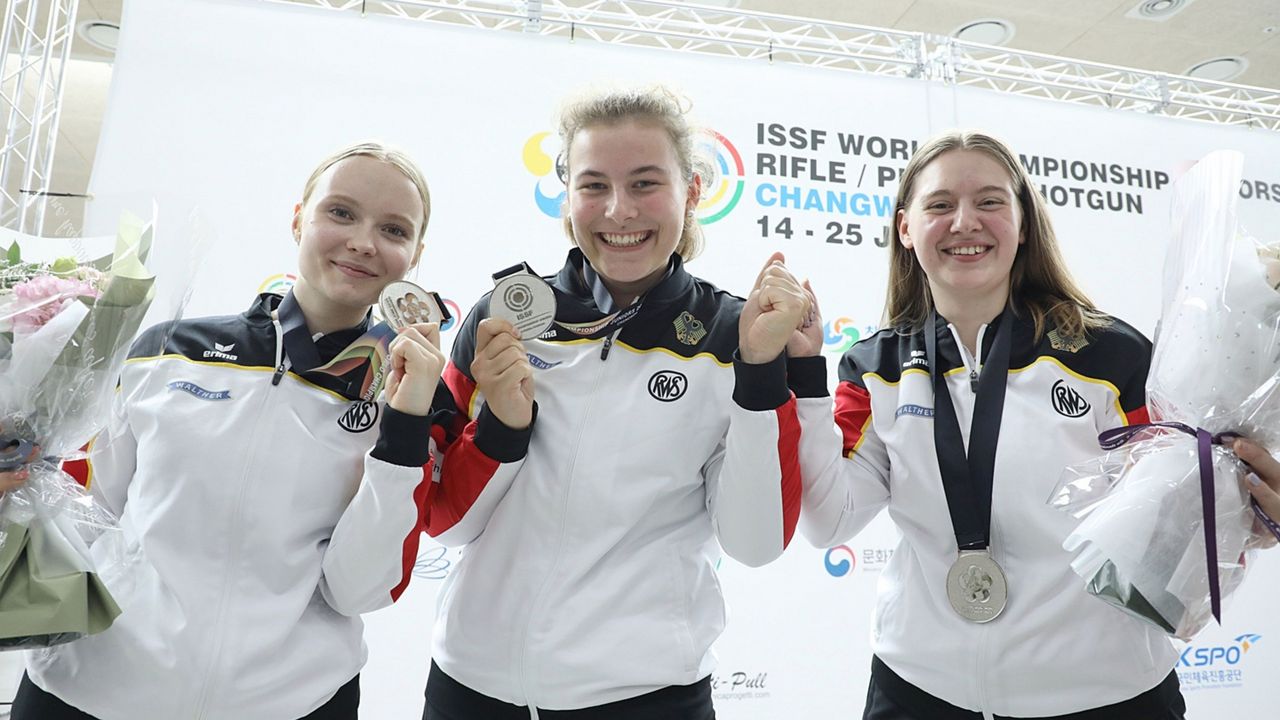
(889, 697)
(448, 699)
(32, 703)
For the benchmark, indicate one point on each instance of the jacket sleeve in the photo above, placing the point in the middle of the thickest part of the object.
(371, 554)
(482, 461)
(753, 478)
(843, 463)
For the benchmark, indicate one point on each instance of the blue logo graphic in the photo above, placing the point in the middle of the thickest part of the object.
(431, 564)
(841, 566)
(541, 364)
(196, 390)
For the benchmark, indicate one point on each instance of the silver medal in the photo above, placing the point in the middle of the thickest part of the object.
(524, 300)
(403, 304)
(976, 586)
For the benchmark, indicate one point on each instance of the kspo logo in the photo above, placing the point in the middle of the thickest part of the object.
(1205, 656)
(668, 385)
(1067, 401)
(360, 416)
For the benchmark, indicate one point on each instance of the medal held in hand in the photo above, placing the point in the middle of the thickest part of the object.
(524, 300)
(976, 586)
(403, 304)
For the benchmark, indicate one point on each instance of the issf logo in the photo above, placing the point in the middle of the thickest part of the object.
(720, 193)
(279, 284)
(839, 335)
(839, 561)
(1210, 655)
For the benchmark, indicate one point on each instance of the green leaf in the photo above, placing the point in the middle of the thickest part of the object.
(14, 255)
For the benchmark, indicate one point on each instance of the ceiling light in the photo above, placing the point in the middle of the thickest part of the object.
(1219, 69)
(1158, 10)
(987, 31)
(100, 34)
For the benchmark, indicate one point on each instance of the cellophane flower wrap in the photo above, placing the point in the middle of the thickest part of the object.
(1147, 513)
(65, 330)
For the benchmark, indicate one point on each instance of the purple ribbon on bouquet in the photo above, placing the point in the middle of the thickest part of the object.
(1114, 438)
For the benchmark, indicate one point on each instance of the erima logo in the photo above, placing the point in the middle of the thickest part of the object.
(196, 390)
(222, 352)
(1067, 401)
(360, 416)
(668, 385)
(539, 363)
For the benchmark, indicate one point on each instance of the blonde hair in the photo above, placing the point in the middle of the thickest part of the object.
(658, 105)
(385, 153)
(1040, 283)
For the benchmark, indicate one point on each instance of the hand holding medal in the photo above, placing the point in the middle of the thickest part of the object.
(415, 361)
(522, 306)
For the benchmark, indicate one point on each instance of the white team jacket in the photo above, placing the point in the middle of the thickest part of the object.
(257, 524)
(589, 569)
(1055, 649)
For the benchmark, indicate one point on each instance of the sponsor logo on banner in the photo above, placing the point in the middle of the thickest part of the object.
(840, 334)
(740, 685)
(839, 560)
(432, 563)
(720, 195)
(360, 416)
(668, 385)
(548, 188)
(1067, 401)
(279, 284)
(1211, 667)
(842, 560)
(197, 391)
(454, 313)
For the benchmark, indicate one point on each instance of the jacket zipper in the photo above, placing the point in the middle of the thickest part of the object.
(539, 598)
(237, 515)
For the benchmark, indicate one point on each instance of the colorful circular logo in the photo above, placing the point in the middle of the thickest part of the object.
(548, 190)
(278, 284)
(454, 314)
(839, 335)
(839, 561)
(719, 201)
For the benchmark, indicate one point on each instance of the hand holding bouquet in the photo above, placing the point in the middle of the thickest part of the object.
(1167, 521)
(65, 328)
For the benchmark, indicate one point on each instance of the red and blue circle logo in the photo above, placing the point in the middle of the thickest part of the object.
(839, 561)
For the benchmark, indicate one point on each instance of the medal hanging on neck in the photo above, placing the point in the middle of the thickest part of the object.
(976, 585)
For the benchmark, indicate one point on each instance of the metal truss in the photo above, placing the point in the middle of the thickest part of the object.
(804, 41)
(35, 44)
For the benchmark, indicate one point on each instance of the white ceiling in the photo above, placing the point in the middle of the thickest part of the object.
(1094, 30)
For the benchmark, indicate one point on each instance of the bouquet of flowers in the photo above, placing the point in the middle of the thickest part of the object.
(65, 329)
(1166, 521)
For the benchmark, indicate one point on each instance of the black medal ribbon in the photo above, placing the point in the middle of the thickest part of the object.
(967, 476)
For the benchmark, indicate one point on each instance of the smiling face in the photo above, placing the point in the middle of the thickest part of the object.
(963, 223)
(627, 203)
(358, 231)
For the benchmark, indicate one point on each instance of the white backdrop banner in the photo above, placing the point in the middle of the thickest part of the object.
(227, 106)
